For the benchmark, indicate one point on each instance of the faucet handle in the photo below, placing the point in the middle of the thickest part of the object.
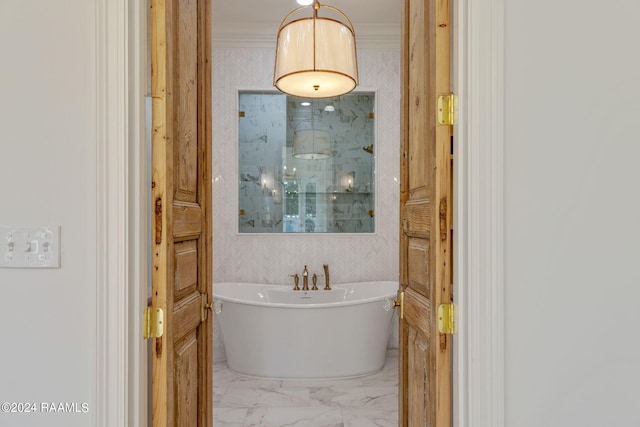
(327, 287)
(296, 280)
(314, 279)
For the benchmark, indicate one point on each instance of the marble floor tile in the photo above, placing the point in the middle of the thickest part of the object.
(264, 397)
(229, 417)
(318, 416)
(369, 417)
(371, 400)
(357, 397)
(217, 396)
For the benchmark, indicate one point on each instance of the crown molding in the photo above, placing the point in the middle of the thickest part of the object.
(263, 35)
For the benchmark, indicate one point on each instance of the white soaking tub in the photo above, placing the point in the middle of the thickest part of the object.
(273, 331)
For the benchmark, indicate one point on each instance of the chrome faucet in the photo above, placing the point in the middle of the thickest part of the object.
(326, 277)
(305, 279)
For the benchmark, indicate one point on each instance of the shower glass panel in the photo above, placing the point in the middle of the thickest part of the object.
(306, 165)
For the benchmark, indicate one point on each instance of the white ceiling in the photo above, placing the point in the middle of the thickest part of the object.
(273, 11)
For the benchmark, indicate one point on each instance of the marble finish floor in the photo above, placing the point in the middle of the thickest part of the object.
(370, 401)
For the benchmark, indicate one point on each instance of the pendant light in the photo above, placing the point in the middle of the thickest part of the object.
(309, 142)
(316, 56)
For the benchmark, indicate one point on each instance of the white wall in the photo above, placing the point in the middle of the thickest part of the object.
(48, 176)
(572, 213)
(272, 258)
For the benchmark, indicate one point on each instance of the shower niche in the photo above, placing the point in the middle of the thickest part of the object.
(306, 165)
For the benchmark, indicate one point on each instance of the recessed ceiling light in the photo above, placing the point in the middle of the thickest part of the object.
(329, 108)
(304, 2)
(305, 103)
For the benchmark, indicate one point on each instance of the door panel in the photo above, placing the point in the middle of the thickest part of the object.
(418, 392)
(425, 235)
(418, 312)
(418, 255)
(181, 191)
(187, 220)
(186, 254)
(186, 94)
(187, 381)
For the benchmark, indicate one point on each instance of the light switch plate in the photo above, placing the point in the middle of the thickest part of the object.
(36, 246)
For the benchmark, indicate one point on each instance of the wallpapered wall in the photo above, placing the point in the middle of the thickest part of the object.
(272, 258)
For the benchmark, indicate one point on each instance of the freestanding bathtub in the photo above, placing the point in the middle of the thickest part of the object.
(276, 332)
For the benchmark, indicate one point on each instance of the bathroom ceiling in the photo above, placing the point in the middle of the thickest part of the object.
(384, 12)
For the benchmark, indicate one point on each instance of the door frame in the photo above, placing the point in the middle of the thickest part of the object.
(120, 364)
(478, 79)
(120, 374)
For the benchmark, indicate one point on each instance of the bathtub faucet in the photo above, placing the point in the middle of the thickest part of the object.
(296, 280)
(305, 279)
(326, 277)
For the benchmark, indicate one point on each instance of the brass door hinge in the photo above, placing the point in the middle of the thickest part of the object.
(447, 109)
(447, 318)
(204, 306)
(400, 303)
(153, 323)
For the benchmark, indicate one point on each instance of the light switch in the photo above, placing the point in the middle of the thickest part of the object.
(35, 246)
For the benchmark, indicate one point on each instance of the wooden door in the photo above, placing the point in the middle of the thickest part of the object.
(425, 213)
(182, 371)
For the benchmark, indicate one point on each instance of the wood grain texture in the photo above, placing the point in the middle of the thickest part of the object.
(419, 314)
(403, 330)
(420, 111)
(418, 391)
(186, 381)
(205, 253)
(186, 99)
(442, 246)
(419, 277)
(187, 221)
(417, 213)
(425, 212)
(186, 271)
(186, 315)
(162, 178)
(181, 183)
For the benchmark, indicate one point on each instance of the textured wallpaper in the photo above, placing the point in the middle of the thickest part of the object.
(272, 258)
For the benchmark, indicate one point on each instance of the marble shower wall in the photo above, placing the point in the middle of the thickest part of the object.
(262, 133)
(271, 258)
